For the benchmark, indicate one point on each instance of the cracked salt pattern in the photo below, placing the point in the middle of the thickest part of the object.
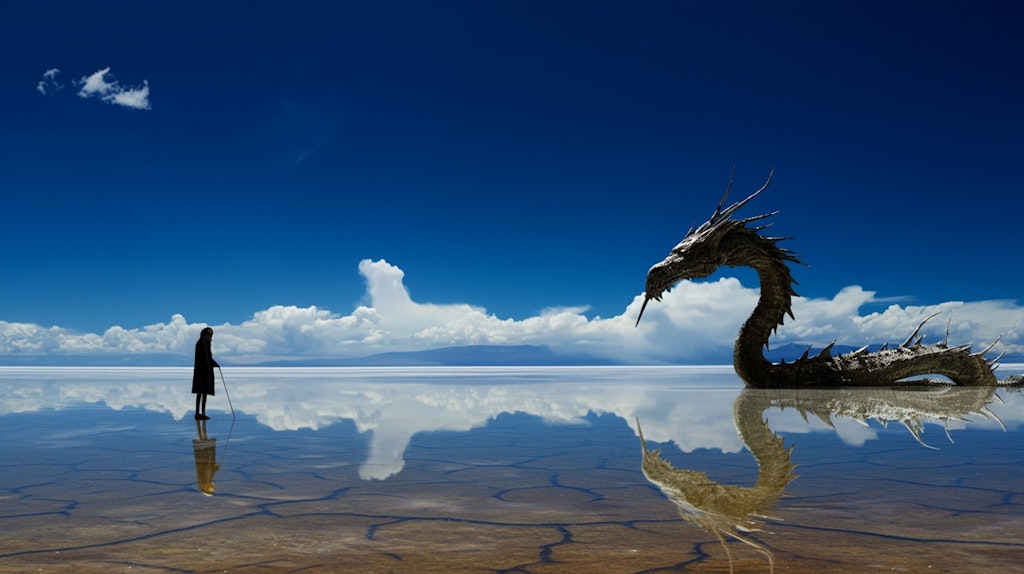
(470, 470)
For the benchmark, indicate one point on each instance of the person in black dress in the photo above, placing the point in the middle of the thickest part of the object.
(202, 372)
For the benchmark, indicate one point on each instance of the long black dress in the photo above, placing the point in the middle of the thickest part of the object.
(202, 371)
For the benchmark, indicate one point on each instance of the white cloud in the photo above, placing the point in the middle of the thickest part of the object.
(693, 322)
(137, 98)
(49, 84)
(98, 85)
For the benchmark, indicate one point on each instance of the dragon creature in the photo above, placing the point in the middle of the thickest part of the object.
(724, 241)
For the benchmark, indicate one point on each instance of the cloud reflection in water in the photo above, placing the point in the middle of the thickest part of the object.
(689, 406)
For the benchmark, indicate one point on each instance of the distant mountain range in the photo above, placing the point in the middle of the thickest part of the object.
(468, 356)
(136, 360)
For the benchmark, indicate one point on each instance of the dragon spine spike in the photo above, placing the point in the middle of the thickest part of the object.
(751, 219)
(946, 340)
(917, 330)
(989, 348)
(859, 351)
(827, 351)
(990, 414)
(806, 351)
(917, 435)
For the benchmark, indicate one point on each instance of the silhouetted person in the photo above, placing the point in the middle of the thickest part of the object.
(202, 372)
(205, 450)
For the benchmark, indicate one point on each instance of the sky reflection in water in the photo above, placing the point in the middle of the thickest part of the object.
(545, 445)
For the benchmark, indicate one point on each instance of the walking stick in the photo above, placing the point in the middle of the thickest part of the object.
(226, 392)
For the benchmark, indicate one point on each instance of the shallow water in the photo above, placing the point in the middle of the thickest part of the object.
(502, 470)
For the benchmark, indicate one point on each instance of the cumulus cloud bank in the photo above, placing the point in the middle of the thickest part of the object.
(101, 85)
(694, 322)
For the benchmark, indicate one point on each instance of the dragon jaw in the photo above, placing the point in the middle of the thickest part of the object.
(676, 267)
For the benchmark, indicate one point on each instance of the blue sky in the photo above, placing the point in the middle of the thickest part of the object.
(498, 172)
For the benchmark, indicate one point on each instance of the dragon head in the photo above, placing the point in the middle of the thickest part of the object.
(703, 250)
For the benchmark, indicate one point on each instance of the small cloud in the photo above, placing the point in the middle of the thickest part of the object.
(137, 98)
(49, 84)
(97, 85)
(112, 92)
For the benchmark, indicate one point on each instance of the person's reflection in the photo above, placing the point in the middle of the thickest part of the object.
(732, 511)
(205, 450)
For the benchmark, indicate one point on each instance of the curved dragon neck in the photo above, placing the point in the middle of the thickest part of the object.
(724, 241)
(881, 368)
(774, 303)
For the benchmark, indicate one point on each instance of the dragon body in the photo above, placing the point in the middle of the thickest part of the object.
(724, 241)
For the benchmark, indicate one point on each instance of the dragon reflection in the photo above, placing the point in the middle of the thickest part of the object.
(733, 511)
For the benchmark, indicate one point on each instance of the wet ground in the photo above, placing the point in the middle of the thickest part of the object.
(502, 470)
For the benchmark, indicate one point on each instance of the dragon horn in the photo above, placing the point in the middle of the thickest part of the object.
(728, 188)
(721, 214)
(640, 431)
(642, 307)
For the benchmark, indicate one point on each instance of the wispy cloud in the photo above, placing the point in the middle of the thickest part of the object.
(49, 84)
(694, 321)
(100, 85)
(111, 91)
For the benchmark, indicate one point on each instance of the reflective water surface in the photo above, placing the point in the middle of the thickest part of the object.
(503, 470)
